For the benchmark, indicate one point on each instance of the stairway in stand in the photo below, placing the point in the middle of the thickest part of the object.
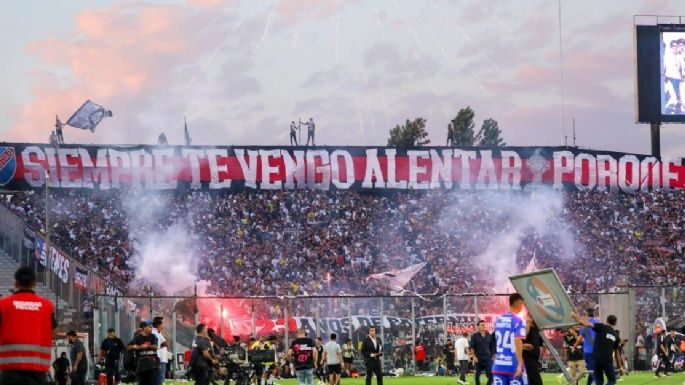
(66, 314)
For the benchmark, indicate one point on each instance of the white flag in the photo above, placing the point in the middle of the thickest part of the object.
(397, 279)
(532, 265)
(88, 116)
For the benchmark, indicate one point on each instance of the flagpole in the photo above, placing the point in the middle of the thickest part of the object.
(185, 132)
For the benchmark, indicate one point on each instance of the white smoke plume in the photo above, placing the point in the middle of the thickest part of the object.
(164, 245)
(497, 223)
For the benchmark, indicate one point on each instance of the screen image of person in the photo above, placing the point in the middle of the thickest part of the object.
(673, 73)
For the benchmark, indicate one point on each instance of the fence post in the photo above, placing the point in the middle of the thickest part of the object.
(134, 327)
(254, 322)
(174, 345)
(349, 316)
(475, 310)
(631, 329)
(413, 333)
(103, 320)
(663, 303)
(285, 320)
(117, 315)
(221, 321)
(96, 318)
(317, 317)
(382, 327)
(444, 315)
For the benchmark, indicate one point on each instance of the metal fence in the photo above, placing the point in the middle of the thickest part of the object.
(401, 321)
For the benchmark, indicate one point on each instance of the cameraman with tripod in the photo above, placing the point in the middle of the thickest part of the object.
(201, 358)
(233, 368)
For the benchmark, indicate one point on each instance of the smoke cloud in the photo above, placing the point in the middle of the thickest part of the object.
(495, 226)
(164, 244)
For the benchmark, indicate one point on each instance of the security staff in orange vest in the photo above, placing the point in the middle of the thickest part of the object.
(26, 324)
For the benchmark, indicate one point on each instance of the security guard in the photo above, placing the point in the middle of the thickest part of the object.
(26, 324)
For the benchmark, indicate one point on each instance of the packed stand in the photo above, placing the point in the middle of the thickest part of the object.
(315, 242)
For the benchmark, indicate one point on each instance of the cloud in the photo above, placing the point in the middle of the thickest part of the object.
(135, 60)
(237, 69)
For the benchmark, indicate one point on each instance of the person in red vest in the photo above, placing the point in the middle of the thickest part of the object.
(26, 326)
(420, 356)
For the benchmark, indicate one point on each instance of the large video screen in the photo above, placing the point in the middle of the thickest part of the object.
(660, 70)
(672, 70)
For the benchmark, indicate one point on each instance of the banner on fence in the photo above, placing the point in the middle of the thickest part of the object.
(456, 323)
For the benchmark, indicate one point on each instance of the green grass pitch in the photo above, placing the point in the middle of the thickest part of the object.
(641, 378)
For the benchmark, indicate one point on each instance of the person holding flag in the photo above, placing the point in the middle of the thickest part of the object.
(58, 130)
(311, 129)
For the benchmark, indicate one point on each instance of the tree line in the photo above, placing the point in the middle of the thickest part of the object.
(461, 131)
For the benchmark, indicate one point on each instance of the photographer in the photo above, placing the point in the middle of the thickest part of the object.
(201, 358)
(263, 369)
(232, 367)
(348, 355)
(217, 345)
(573, 344)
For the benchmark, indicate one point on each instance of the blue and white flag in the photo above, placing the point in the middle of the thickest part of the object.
(88, 116)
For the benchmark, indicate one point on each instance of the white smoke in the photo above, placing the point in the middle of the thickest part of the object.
(506, 220)
(164, 244)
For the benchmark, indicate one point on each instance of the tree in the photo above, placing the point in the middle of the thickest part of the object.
(463, 127)
(490, 135)
(412, 133)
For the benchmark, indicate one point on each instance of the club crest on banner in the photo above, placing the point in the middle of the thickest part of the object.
(546, 301)
(8, 164)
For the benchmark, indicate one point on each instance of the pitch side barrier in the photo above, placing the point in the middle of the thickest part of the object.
(24, 166)
(399, 320)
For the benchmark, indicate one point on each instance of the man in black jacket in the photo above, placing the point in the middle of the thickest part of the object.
(482, 348)
(372, 351)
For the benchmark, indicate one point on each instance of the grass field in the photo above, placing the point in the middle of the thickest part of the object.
(633, 379)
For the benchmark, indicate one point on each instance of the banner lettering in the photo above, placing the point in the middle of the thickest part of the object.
(323, 168)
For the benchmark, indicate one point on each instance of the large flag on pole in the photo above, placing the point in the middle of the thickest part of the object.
(397, 279)
(88, 116)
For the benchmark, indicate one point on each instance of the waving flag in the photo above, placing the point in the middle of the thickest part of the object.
(397, 279)
(532, 265)
(88, 116)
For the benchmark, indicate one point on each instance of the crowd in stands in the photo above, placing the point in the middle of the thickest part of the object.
(326, 242)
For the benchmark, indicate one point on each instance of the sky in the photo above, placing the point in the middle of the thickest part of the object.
(240, 71)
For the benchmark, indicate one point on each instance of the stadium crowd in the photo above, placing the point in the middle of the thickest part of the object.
(326, 242)
(316, 242)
